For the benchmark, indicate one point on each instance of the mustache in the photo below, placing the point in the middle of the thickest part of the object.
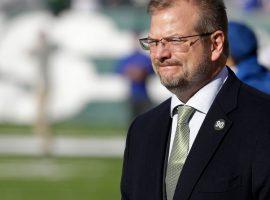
(167, 63)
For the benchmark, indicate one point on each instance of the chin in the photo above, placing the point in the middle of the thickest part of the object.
(170, 83)
(173, 83)
(170, 75)
(169, 70)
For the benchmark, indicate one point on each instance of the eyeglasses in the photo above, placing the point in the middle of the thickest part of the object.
(175, 42)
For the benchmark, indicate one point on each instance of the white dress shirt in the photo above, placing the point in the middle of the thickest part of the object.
(201, 101)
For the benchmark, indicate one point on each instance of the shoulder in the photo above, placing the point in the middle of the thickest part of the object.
(154, 114)
(163, 108)
(253, 96)
(254, 106)
(236, 92)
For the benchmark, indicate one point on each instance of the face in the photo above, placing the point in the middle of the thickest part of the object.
(178, 70)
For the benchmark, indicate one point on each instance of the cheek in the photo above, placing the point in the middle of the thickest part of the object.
(194, 59)
(184, 59)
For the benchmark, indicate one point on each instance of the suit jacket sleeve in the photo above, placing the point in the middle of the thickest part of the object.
(261, 168)
(125, 195)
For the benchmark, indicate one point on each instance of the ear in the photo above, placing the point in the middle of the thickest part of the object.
(217, 39)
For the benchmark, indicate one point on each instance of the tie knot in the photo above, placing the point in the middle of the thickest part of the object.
(184, 113)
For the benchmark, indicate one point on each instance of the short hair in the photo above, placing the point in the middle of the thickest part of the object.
(213, 16)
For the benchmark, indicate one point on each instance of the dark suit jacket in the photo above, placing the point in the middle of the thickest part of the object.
(228, 164)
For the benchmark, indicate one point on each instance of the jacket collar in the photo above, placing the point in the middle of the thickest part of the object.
(209, 137)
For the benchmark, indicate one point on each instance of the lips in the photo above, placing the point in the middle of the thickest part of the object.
(168, 68)
(168, 63)
(171, 65)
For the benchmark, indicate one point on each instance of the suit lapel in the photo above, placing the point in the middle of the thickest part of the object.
(204, 147)
(209, 137)
(163, 123)
(158, 143)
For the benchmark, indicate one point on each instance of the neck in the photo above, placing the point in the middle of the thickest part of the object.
(184, 94)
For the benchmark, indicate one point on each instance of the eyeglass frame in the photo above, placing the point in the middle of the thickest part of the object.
(171, 39)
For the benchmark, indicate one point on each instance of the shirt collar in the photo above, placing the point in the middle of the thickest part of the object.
(203, 99)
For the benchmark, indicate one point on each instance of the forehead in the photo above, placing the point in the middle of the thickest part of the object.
(178, 19)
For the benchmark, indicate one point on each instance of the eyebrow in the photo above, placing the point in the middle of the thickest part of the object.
(173, 35)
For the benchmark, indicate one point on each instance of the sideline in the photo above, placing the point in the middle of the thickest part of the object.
(63, 146)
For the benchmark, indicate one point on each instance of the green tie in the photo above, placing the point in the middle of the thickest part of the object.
(179, 150)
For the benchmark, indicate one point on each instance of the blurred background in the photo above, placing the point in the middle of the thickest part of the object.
(72, 77)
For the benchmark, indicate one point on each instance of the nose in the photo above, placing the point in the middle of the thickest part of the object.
(162, 52)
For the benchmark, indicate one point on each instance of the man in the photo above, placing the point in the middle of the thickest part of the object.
(244, 58)
(211, 140)
(137, 68)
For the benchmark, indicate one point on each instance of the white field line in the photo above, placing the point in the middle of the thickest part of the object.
(46, 169)
(63, 146)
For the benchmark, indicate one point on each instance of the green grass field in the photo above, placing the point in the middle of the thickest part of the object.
(66, 130)
(33, 178)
